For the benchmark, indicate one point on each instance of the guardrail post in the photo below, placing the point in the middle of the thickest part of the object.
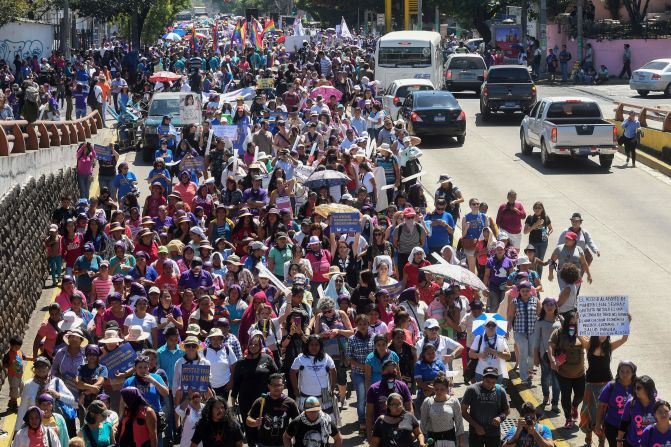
(32, 144)
(619, 112)
(54, 138)
(19, 142)
(666, 124)
(643, 117)
(93, 124)
(4, 144)
(44, 135)
(87, 127)
(98, 119)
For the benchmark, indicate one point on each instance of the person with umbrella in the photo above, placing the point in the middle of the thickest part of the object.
(489, 347)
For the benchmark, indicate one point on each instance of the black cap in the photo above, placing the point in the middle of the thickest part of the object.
(477, 305)
(490, 371)
(576, 216)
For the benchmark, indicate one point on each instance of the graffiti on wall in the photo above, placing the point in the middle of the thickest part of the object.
(26, 48)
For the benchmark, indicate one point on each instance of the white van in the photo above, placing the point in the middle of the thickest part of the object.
(408, 55)
(394, 95)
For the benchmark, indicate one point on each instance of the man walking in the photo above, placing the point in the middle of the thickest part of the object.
(626, 62)
(564, 58)
(485, 407)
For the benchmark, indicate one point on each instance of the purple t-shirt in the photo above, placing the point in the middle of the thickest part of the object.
(615, 395)
(499, 270)
(379, 391)
(655, 438)
(189, 280)
(637, 418)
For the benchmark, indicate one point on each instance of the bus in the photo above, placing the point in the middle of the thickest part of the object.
(409, 54)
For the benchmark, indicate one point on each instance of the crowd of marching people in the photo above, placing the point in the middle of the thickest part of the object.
(237, 267)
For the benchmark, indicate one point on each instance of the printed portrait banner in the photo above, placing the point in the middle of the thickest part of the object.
(189, 110)
(103, 153)
(195, 377)
(119, 360)
(193, 164)
(603, 315)
(345, 222)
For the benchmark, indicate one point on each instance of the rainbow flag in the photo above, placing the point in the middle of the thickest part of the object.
(257, 35)
(240, 32)
(269, 27)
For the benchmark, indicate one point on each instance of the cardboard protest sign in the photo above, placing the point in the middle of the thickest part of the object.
(189, 109)
(195, 377)
(265, 83)
(603, 315)
(345, 222)
(303, 172)
(192, 163)
(119, 360)
(229, 131)
(103, 152)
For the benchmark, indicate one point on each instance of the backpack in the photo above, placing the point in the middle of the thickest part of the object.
(33, 94)
(418, 227)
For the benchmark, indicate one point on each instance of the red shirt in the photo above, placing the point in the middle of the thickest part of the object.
(411, 272)
(320, 266)
(428, 293)
(510, 219)
(169, 283)
(72, 249)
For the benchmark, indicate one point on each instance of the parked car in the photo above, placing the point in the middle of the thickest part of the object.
(465, 72)
(507, 88)
(162, 104)
(655, 76)
(434, 112)
(398, 90)
(568, 127)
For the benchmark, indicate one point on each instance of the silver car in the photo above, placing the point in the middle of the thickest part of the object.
(464, 72)
(655, 76)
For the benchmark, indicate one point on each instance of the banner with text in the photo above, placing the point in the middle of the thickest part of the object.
(103, 153)
(119, 360)
(603, 315)
(195, 377)
(345, 222)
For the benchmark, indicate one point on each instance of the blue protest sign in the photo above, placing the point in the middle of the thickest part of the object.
(195, 377)
(103, 152)
(345, 222)
(119, 360)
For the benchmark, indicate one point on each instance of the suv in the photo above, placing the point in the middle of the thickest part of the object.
(162, 104)
(465, 72)
(508, 88)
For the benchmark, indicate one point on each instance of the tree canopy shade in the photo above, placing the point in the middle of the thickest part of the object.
(10, 10)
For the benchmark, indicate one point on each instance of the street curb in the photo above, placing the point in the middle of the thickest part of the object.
(650, 161)
(521, 394)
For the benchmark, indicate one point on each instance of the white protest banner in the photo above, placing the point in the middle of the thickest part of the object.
(380, 180)
(209, 143)
(414, 176)
(189, 112)
(603, 315)
(386, 187)
(229, 131)
(280, 285)
(439, 258)
(303, 172)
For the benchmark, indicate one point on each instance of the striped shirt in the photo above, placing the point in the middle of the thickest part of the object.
(102, 287)
(525, 315)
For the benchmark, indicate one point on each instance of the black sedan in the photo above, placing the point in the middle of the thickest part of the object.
(434, 112)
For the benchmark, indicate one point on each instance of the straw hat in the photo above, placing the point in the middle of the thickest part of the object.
(136, 333)
(111, 336)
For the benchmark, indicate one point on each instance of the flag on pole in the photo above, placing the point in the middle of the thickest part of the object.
(298, 26)
(269, 27)
(257, 34)
(240, 32)
(344, 30)
(215, 38)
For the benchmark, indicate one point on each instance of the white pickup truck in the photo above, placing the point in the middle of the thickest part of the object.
(568, 126)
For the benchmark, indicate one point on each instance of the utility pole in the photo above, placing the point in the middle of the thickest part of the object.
(542, 35)
(419, 15)
(66, 40)
(437, 18)
(580, 30)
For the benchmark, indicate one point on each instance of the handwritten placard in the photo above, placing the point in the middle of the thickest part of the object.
(265, 83)
(195, 377)
(119, 360)
(345, 222)
(303, 172)
(603, 315)
(229, 131)
(103, 153)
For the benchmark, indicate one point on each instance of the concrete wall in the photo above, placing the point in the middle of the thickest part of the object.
(609, 52)
(26, 38)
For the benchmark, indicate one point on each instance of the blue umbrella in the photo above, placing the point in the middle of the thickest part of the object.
(172, 36)
(179, 32)
(480, 322)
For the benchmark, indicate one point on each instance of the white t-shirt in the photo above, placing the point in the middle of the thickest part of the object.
(445, 346)
(220, 365)
(148, 322)
(495, 362)
(367, 181)
(571, 302)
(314, 375)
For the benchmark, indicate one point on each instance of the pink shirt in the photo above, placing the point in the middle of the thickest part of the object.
(63, 300)
(102, 287)
(187, 191)
(511, 220)
(49, 333)
(85, 162)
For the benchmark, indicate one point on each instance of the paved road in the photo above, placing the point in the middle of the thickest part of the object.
(625, 210)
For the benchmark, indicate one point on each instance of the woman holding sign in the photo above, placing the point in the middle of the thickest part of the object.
(598, 374)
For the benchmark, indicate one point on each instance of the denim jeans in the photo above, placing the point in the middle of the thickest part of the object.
(80, 113)
(169, 410)
(549, 379)
(495, 298)
(84, 182)
(541, 248)
(55, 267)
(359, 382)
(525, 346)
(564, 71)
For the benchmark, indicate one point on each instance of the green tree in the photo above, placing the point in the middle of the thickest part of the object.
(329, 12)
(637, 9)
(10, 10)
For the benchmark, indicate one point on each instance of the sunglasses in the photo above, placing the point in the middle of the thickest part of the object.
(191, 346)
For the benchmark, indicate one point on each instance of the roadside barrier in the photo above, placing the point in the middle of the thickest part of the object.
(656, 140)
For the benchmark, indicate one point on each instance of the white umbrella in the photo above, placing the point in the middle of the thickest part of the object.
(456, 273)
(172, 36)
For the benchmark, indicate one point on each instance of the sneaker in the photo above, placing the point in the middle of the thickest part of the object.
(574, 413)
(555, 408)
(569, 423)
(545, 402)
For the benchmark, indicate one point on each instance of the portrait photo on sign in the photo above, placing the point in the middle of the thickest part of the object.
(189, 110)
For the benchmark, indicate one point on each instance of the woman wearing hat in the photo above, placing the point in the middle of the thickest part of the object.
(54, 421)
(32, 431)
(584, 239)
(568, 253)
(320, 261)
(313, 426)
(43, 382)
(244, 227)
(96, 430)
(155, 199)
(159, 173)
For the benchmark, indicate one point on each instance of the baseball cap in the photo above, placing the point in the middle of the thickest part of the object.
(490, 371)
(571, 235)
(431, 323)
